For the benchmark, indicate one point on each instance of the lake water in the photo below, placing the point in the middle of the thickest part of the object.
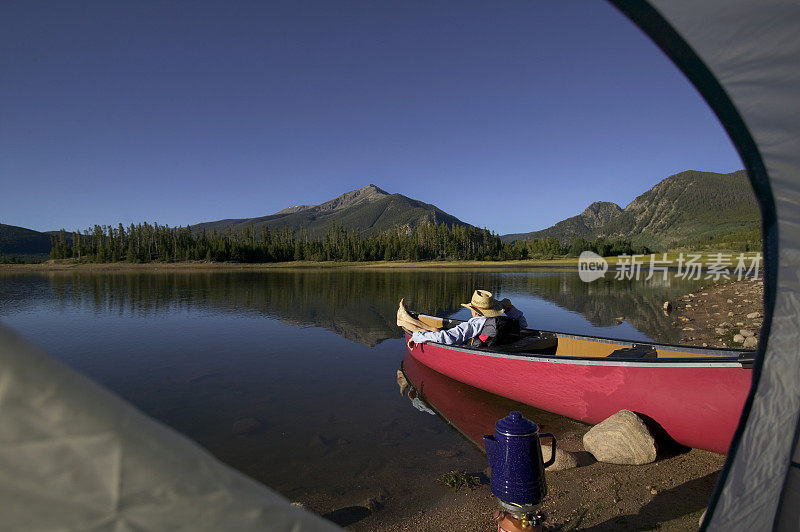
(291, 377)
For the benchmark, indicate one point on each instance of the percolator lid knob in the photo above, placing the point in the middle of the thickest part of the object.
(515, 424)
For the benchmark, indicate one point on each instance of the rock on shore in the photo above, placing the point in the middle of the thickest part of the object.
(621, 439)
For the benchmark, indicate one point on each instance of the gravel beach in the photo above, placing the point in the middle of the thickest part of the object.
(722, 315)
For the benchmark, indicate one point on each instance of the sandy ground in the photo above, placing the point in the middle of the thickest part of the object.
(669, 494)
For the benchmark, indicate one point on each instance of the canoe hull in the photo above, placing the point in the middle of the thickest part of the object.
(697, 403)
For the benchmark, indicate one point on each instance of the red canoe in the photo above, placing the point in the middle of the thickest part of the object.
(694, 394)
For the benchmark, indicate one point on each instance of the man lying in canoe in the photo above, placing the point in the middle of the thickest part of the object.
(491, 322)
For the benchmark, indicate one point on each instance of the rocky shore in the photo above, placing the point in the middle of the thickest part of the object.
(723, 315)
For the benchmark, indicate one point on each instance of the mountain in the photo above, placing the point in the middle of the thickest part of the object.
(367, 210)
(584, 224)
(688, 207)
(18, 241)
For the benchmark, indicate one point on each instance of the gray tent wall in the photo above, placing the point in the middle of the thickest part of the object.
(74, 456)
(744, 57)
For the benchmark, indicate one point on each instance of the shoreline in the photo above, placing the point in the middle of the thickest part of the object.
(294, 265)
(560, 263)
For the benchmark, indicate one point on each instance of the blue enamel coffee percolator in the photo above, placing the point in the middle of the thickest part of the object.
(515, 456)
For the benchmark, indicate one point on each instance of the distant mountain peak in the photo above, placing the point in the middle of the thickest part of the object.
(354, 197)
(599, 206)
(374, 189)
(600, 213)
(348, 199)
(294, 208)
(366, 210)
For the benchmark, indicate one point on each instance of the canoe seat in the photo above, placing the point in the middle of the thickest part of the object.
(637, 351)
(540, 343)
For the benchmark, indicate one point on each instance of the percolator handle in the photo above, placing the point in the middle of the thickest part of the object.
(552, 449)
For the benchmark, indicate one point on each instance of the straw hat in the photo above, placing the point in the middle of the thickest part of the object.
(484, 303)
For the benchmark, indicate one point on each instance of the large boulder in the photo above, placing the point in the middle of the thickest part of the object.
(621, 439)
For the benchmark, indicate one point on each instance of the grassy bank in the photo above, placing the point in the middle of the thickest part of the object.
(294, 265)
(671, 259)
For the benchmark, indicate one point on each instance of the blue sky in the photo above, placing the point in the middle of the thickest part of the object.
(510, 115)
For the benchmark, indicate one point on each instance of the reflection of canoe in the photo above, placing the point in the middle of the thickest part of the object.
(695, 394)
(470, 411)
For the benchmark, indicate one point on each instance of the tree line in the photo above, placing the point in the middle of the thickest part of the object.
(142, 243)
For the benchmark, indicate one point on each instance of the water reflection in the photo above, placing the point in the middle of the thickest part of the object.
(357, 305)
(469, 411)
(604, 301)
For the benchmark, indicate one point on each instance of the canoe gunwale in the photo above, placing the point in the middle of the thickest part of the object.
(595, 361)
(716, 357)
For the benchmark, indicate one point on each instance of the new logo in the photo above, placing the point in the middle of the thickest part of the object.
(591, 266)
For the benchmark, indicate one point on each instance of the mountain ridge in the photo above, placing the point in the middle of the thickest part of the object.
(682, 208)
(367, 210)
(20, 241)
(582, 225)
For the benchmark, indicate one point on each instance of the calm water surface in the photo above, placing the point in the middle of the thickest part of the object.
(291, 376)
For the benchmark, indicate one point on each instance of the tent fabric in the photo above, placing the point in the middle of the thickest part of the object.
(74, 456)
(787, 518)
(752, 48)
